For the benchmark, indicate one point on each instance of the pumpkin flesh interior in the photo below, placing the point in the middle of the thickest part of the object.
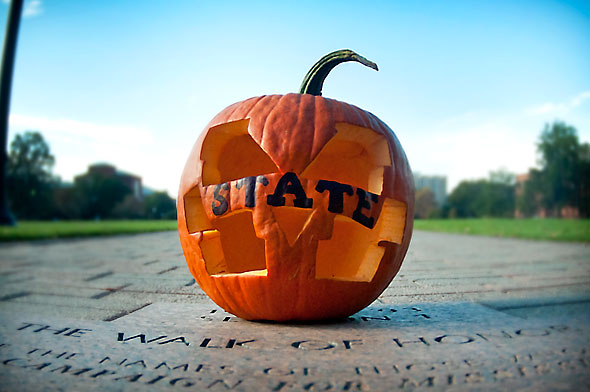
(196, 218)
(355, 156)
(232, 247)
(354, 253)
(229, 153)
(291, 221)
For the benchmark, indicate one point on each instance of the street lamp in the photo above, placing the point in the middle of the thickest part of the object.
(10, 38)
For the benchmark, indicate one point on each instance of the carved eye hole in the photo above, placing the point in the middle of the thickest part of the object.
(355, 156)
(358, 157)
(228, 244)
(229, 153)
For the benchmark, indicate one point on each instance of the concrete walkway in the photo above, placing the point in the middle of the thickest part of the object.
(465, 312)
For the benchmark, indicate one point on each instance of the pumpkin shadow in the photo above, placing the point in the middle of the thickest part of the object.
(401, 316)
(372, 317)
(302, 323)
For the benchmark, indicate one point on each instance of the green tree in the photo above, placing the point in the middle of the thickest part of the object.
(559, 150)
(562, 179)
(29, 179)
(424, 204)
(129, 208)
(464, 201)
(98, 194)
(67, 202)
(159, 205)
(529, 199)
(499, 194)
(492, 197)
(502, 176)
(584, 181)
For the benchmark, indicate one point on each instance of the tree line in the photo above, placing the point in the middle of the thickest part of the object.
(35, 193)
(559, 187)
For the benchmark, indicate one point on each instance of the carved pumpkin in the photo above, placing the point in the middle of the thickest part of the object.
(296, 207)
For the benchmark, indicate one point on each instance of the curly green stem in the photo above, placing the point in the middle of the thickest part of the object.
(314, 80)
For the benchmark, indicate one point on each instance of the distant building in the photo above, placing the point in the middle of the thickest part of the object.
(437, 184)
(568, 212)
(108, 170)
(145, 191)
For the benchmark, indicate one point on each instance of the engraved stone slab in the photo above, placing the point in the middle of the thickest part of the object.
(384, 347)
(464, 313)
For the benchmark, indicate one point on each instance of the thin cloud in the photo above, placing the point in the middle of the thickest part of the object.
(31, 8)
(117, 134)
(470, 145)
(560, 108)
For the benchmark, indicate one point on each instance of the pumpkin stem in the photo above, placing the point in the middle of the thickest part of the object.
(314, 80)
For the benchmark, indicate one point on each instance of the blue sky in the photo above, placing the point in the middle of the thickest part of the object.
(466, 85)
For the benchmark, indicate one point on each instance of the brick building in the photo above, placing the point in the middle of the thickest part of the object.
(437, 184)
(108, 170)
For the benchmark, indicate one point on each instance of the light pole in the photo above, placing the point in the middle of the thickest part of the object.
(10, 38)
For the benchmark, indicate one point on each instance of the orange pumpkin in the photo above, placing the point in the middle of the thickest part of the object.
(296, 207)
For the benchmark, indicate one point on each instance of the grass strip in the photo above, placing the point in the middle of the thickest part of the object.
(34, 230)
(570, 230)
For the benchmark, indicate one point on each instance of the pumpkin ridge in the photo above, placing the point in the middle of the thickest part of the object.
(342, 112)
(358, 116)
(317, 126)
(252, 103)
(367, 120)
(292, 154)
(318, 144)
(262, 110)
(231, 296)
(248, 112)
(376, 124)
(314, 140)
(327, 123)
(303, 121)
(244, 287)
(292, 148)
(230, 114)
(278, 147)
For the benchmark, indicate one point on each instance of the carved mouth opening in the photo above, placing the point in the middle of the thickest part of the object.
(353, 252)
(354, 157)
(232, 247)
(229, 244)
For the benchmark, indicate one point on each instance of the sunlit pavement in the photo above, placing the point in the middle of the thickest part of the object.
(464, 312)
